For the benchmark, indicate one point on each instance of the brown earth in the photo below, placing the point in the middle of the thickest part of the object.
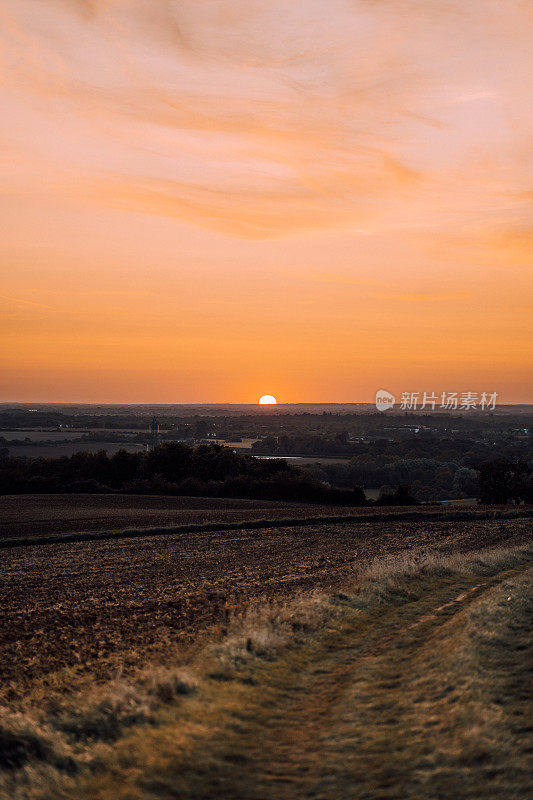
(79, 610)
(28, 516)
(33, 515)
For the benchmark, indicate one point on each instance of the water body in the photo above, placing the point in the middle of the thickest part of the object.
(310, 459)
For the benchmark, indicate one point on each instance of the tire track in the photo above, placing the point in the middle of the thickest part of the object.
(293, 753)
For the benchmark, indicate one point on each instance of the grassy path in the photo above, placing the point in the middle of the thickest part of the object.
(374, 714)
(416, 685)
(416, 690)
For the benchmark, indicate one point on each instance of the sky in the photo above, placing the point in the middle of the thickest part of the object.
(315, 199)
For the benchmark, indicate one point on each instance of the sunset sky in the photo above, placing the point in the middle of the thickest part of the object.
(211, 200)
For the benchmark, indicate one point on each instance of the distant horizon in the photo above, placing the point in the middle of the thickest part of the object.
(263, 409)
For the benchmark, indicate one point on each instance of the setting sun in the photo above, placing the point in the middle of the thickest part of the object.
(391, 180)
(267, 400)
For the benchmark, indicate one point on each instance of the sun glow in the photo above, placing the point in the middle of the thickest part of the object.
(267, 400)
(143, 130)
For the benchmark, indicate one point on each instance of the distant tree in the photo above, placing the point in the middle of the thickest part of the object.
(401, 497)
(342, 437)
(528, 494)
(465, 482)
(200, 429)
(503, 481)
(125, 466)
(359, 496)
(269, 444)
(172, 460)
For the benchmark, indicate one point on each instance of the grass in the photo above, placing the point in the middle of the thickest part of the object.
(451, 728)
(411, 683)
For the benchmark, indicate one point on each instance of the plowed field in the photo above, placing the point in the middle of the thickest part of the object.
(98, 608)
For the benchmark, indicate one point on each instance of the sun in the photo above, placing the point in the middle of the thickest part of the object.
(267, 400)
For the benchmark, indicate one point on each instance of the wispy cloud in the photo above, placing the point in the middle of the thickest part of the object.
(301, 183)
(258, 117)
(421, 297)
(19, 301)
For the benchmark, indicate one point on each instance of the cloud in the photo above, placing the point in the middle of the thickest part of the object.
(21, 301)
(261, 118)
(336, 278)
(421, 297)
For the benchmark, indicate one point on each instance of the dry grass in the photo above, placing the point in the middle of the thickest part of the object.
(434, 707)
(454, 726)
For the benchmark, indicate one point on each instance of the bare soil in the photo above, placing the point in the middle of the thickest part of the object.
(95, 609)
(34, 515)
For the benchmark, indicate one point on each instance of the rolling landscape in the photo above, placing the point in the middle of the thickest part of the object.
(266, 400)
(165, 645)
(154, 661)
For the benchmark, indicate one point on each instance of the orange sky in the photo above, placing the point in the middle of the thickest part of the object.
(210, 201)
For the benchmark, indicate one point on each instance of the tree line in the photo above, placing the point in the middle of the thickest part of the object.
(172, 468)
(212, 470)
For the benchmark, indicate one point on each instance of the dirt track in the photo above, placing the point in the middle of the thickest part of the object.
(379, 709)
(99, 607)
(416, 686)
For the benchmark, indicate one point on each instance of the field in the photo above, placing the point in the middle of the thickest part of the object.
(31, 516)
(84, 611)
(67, 449)
(70, 610)
(34, 515)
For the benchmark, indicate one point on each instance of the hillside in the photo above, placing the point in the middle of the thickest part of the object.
(411, 683)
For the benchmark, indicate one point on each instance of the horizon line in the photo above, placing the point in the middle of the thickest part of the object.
(220, 403)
